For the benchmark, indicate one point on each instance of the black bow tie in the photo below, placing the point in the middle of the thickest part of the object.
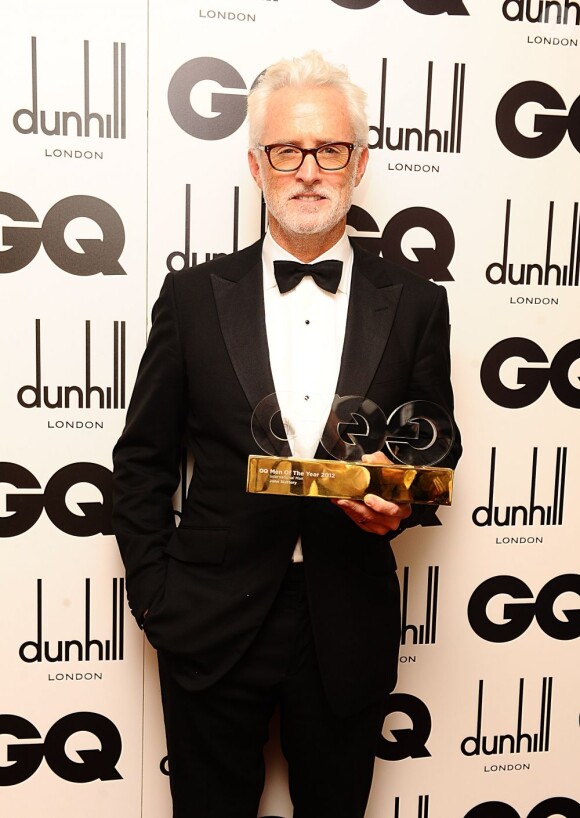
(290, 273)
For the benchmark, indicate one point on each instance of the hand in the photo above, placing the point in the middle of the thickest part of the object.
(373, 514)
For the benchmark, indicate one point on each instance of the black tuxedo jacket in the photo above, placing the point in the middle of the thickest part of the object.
(208, 584)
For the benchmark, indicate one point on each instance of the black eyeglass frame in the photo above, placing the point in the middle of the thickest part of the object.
(305, 152)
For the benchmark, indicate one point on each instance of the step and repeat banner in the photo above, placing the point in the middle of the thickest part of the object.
(122, 126)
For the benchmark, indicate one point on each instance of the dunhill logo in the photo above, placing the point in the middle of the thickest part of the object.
(422, 807)
(425, 633)
(531, 514)
(72, 123)
(85, 648)
(87, 396)
(541, 11)
(567, 275)
(423, 138)
(180, 259)
(185, 256)
(519, 741)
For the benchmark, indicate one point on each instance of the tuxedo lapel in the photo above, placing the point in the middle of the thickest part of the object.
(371, 312)
(239, 296)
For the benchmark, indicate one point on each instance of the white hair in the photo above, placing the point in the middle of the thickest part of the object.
(309, 71)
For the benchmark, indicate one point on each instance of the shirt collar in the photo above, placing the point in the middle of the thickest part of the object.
(342, 251)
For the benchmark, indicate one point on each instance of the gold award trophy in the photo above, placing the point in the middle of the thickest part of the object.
(416, 436)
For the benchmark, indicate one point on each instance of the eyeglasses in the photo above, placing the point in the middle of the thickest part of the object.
(288, 158)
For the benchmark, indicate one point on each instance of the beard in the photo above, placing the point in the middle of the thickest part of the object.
(301, 218)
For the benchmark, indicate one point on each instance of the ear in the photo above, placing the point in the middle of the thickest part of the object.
(361, 166)
(255, 168)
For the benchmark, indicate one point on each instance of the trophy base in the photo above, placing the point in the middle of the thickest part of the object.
(343, 480)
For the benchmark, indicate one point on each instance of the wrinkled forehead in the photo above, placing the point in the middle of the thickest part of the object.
(315, 115)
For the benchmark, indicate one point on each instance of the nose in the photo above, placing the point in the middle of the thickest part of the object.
(308, 171)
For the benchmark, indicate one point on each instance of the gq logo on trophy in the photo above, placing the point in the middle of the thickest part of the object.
(416, 436)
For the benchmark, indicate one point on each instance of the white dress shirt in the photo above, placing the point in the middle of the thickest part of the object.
(305, 329)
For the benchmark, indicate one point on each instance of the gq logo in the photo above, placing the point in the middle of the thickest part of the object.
(551, 808)
(429, 262)
(519, 615)
(409, 742)
(226, 112)
(99, 255)
(22, 511)
(549, 129)
(422, 6)
(24, 758)
(532, 380)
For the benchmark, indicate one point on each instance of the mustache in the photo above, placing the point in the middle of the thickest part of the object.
(309, 191)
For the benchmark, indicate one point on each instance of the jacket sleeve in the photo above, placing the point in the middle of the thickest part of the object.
(147, 456)
(431, 380)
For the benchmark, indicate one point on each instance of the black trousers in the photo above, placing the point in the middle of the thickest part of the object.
(215, 738)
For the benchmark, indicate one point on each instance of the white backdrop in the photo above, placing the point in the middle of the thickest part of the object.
(123, 155)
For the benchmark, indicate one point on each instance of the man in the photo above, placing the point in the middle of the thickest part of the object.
(256, 601)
